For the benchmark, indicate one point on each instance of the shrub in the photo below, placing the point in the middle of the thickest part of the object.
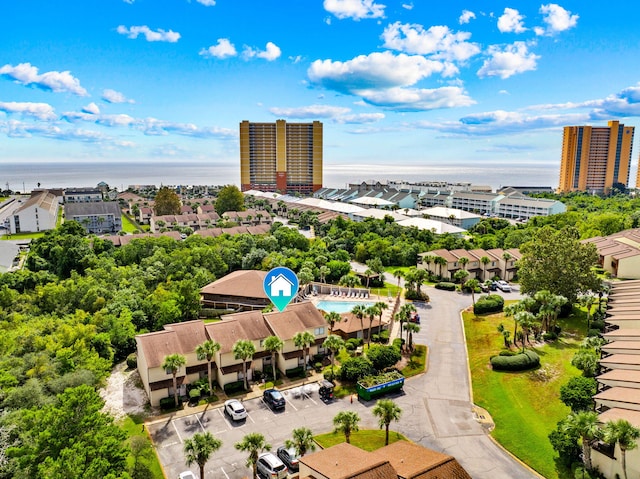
(317, 366)
(598, 324)
(507, 352)
(257, 375)
(132, 361)
(383, 356)
(384, 336)
(398, 343)
(413, 295)
(355, 368)
(446, 286)
(577, 393)
(518, 362)
(330, 375)
(297, 372)
(169, 403)
(375, 338)
(550, 336)
(593, 333)
(194, 393)
(491, 303)
(234, 387)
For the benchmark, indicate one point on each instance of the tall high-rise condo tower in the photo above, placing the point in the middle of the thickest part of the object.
(595, 158)
(283, 157)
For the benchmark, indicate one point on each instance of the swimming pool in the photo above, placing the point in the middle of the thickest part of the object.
(340, 306)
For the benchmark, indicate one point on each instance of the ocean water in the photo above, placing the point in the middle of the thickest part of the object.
(26, 176)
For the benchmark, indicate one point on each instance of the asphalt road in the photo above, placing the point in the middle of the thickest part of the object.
(437, 410)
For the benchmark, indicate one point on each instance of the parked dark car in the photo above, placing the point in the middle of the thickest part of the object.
(289, 456)
(274, 399)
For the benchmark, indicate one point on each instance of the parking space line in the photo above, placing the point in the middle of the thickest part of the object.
(177, 432)
(225, 474)
(291, 404)
(249, 416)
(309, 397)
(200, 422)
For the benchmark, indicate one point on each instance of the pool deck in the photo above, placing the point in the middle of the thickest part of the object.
(372, 298)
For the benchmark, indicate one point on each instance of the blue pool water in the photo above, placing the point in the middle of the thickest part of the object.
(340, 306)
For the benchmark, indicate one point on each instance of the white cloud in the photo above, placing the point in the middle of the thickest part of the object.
(511, 21)
(41, 111)
(417, 99)
(58, 82)
(506, 62)
(91, 109)
(407, 6)
(438, 41)
(112, 96)
(373, 71)
(355, 9)
(271, 52)
(223, 49)
(360, 118)
(311, 111)
(466, 17)
(557, 19)
(150, 35)
(207, 3)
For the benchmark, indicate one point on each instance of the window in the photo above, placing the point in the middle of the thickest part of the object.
(319, 331)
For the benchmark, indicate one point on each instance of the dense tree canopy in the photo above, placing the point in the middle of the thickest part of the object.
(230, 198)
(556, 260)
(167, 202)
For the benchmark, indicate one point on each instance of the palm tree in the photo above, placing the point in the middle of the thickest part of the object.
(368, 274)
(584, 424)
(464, 261)
(346, 422)
(332, 318)
(302, 441)
(386, 410)
(208, 350)
(304, 340)
(428, 260)
(472, 284)
(273, 344)
(411, 328)
(359, 311)
(333, 343)
(440, 261)
(485, 260)
(254, 443)
(588, 300)
(199, 448)
(625, 434)
(244, 349)
(371, 311)
(398, 274)
(324, 271)
(172, 363)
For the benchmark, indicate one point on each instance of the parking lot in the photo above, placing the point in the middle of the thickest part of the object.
(303, 409)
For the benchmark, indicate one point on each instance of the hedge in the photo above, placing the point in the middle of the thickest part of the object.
(519, 362)
(234, 387)
(169, 403)
(297, 372)
(446, 286)
(492, 303)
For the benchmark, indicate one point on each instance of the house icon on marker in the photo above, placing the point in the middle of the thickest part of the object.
(280, 286)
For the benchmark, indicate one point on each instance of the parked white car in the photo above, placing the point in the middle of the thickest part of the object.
(186, 475)
(235, 410)
(503, 286)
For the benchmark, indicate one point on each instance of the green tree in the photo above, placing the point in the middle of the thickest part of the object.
(254, 443)
(625, 434)
(302, 441)
(360, 311)
(585, 425)
(141, 451)
(386, 411)
(304, 340)
(472, 284)
(410, 328)
(578, 393)
(199, 449)
(371, 312)
(332, 318)
(244, 349)
(346, 422)
(208, 350)
(172, 364)
(273, 344)
(167, 202)
(230, 198)
(587, 361)
(70, 437)
(333, 343)
(383, 356)
(556, 261)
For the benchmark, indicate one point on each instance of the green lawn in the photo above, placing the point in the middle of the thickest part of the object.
(367, 439)
(389, 289)
(134, 426)
(20, 236)
(525, 406)
(417, 362)
(128, 225)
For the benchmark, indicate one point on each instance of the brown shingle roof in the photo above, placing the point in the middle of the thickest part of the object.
(351, 323)
(412, 461)
(190, 334)
(249, 325)
(243, 283)
(295, 318)
(156, 346)
(344, 461)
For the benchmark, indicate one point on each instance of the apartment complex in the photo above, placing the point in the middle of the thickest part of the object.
(595, 158)
(281, 156)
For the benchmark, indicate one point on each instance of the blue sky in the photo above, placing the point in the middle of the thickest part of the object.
(408, 84)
